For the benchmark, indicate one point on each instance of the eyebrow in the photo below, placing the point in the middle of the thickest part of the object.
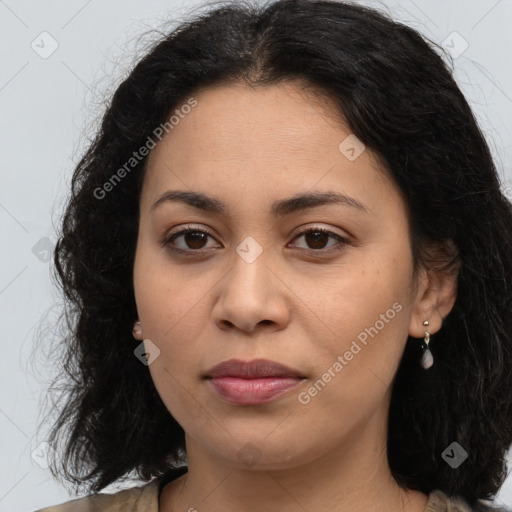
(279, 208)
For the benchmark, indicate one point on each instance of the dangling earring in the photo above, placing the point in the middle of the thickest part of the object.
(136, 330)
(427, 359)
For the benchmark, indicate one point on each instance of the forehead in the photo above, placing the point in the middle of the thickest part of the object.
(279, 117)
(276, 138)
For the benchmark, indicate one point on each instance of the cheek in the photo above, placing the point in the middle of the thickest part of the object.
(170, 298)
(354, 297)
(172, 313)
(365, 318)
(173, 319)
(355, 374)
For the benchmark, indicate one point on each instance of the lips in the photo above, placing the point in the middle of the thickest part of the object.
(258, 368)
(253, 382)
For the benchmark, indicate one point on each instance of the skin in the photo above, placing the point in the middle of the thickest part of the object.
(249, 147)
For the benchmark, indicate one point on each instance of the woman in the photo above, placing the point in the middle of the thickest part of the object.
(286, 257)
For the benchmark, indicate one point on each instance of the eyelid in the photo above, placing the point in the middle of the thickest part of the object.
(344, 240)
(309, 227)
(182, 230)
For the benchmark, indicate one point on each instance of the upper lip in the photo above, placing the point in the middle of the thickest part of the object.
(251, 369)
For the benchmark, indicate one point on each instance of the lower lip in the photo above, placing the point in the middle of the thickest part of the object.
(252, 391)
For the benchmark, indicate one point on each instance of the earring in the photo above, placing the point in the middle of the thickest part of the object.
(136, 330)
(427, 359)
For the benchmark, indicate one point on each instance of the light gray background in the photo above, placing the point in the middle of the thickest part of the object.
(47, 104)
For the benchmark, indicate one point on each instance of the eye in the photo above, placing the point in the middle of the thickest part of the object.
(195, 240)
(316, 239)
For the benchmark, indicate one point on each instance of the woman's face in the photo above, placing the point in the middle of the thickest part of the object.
(336, 310)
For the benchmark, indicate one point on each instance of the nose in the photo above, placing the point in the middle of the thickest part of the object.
(252, 296)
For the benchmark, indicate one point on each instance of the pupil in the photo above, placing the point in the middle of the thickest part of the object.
(317, 238)
(196, 238)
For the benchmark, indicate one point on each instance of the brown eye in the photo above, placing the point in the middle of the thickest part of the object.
(317, 238)
(193, 240)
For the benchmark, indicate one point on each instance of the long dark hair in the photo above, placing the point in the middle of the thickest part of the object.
(398, 97)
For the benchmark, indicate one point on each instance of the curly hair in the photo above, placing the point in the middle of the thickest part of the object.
(398, 96)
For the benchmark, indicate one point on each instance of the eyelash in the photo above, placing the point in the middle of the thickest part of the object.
(166, 242)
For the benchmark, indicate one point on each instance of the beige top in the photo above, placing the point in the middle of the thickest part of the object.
(145, 499)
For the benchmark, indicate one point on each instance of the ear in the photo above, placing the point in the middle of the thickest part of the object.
(435, 296)
(137, 331)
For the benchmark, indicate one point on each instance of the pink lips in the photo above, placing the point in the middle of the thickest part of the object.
(252, 382)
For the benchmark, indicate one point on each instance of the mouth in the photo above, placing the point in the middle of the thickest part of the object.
(252, 382)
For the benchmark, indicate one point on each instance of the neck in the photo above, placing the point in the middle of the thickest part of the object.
(352, 477)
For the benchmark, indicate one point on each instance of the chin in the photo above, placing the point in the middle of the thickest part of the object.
(260, 454)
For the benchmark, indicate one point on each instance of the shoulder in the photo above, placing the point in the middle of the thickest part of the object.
(438, 501)
(136, 499)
